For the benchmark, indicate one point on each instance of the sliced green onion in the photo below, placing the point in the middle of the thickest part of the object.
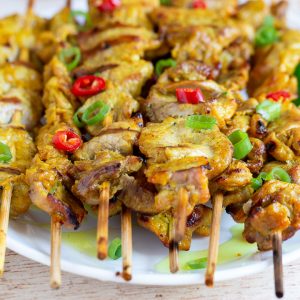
(276, 173)
(267, 33)
(165, 2)
(197, 264)
(280, 174)
(297, 75)
(77, 119)
(87, 19)
(163, 64)
(95, 113)
(269, 110)
(115, 249)
(200, 122)
(241, 143)
(70, 57)
(5, 154)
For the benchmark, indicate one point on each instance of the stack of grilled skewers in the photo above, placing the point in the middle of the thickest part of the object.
(144, 113)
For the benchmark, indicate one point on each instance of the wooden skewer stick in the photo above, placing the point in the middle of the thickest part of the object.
(4, 218)
(55, 271)
(103, 216)
(277, 261)
(30, 6)
(173, 248)
(126, 242)
(69, 4)
(181, 214)
(214, 239)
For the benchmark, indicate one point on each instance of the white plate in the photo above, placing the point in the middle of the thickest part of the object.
(30, 235)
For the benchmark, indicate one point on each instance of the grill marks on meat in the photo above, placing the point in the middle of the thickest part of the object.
(89, 175)
(171, 140)
(284, 138)
(162, 102)
(48, 191)
(198, 221)
(274, 207)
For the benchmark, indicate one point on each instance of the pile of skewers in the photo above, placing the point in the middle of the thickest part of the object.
(142, 112)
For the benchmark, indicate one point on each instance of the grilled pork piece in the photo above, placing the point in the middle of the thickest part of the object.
(130, 12)
(119, 137)
(171, 139)
(283, 139)
(155, 189)
(117, 44)
(218, 102)
(122, 106)
(106, 166)
(274, 207)
(227, 6)
(20, 90)
(199, 221)
(130, 75)
(48, 191)
(23, 150)
(274, 67)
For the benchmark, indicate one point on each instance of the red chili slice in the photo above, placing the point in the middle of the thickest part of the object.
(192, 96)
(88, 86)
(66, 140)
(199, 4)
(109, 5)
(277, 96)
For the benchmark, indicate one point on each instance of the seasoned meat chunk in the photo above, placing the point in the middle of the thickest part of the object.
(171, 139)
(158, 190)
(198, 221)
(48, 192)
(107, 166)
(274, 207)
(218, 102)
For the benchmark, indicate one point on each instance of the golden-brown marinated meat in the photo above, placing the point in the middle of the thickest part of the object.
(119, 137)
(236, 176)
(157, 189)
(23, 150)
(122, 106)
(116, 44)
(18, 36)
(199, 221)
(257, 156)
(224, 6)
(188, 70)
(275, 65)
(21, 147)
(59, 28)
(20, 90)
(130, 12)
(130, 75)
(49, 193)
(274, 207)
(171, 139)
(218, 102)
(283, 139)
(253, 12)
(107, 166)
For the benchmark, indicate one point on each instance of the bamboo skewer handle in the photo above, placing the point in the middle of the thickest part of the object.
(277, 262)
(214, 240)
(181, 214)
(4, 219)
(103, 216)
(55, 271)
(173, 249)
(126, 243)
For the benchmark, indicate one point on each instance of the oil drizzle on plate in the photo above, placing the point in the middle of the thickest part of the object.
(234, 249)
